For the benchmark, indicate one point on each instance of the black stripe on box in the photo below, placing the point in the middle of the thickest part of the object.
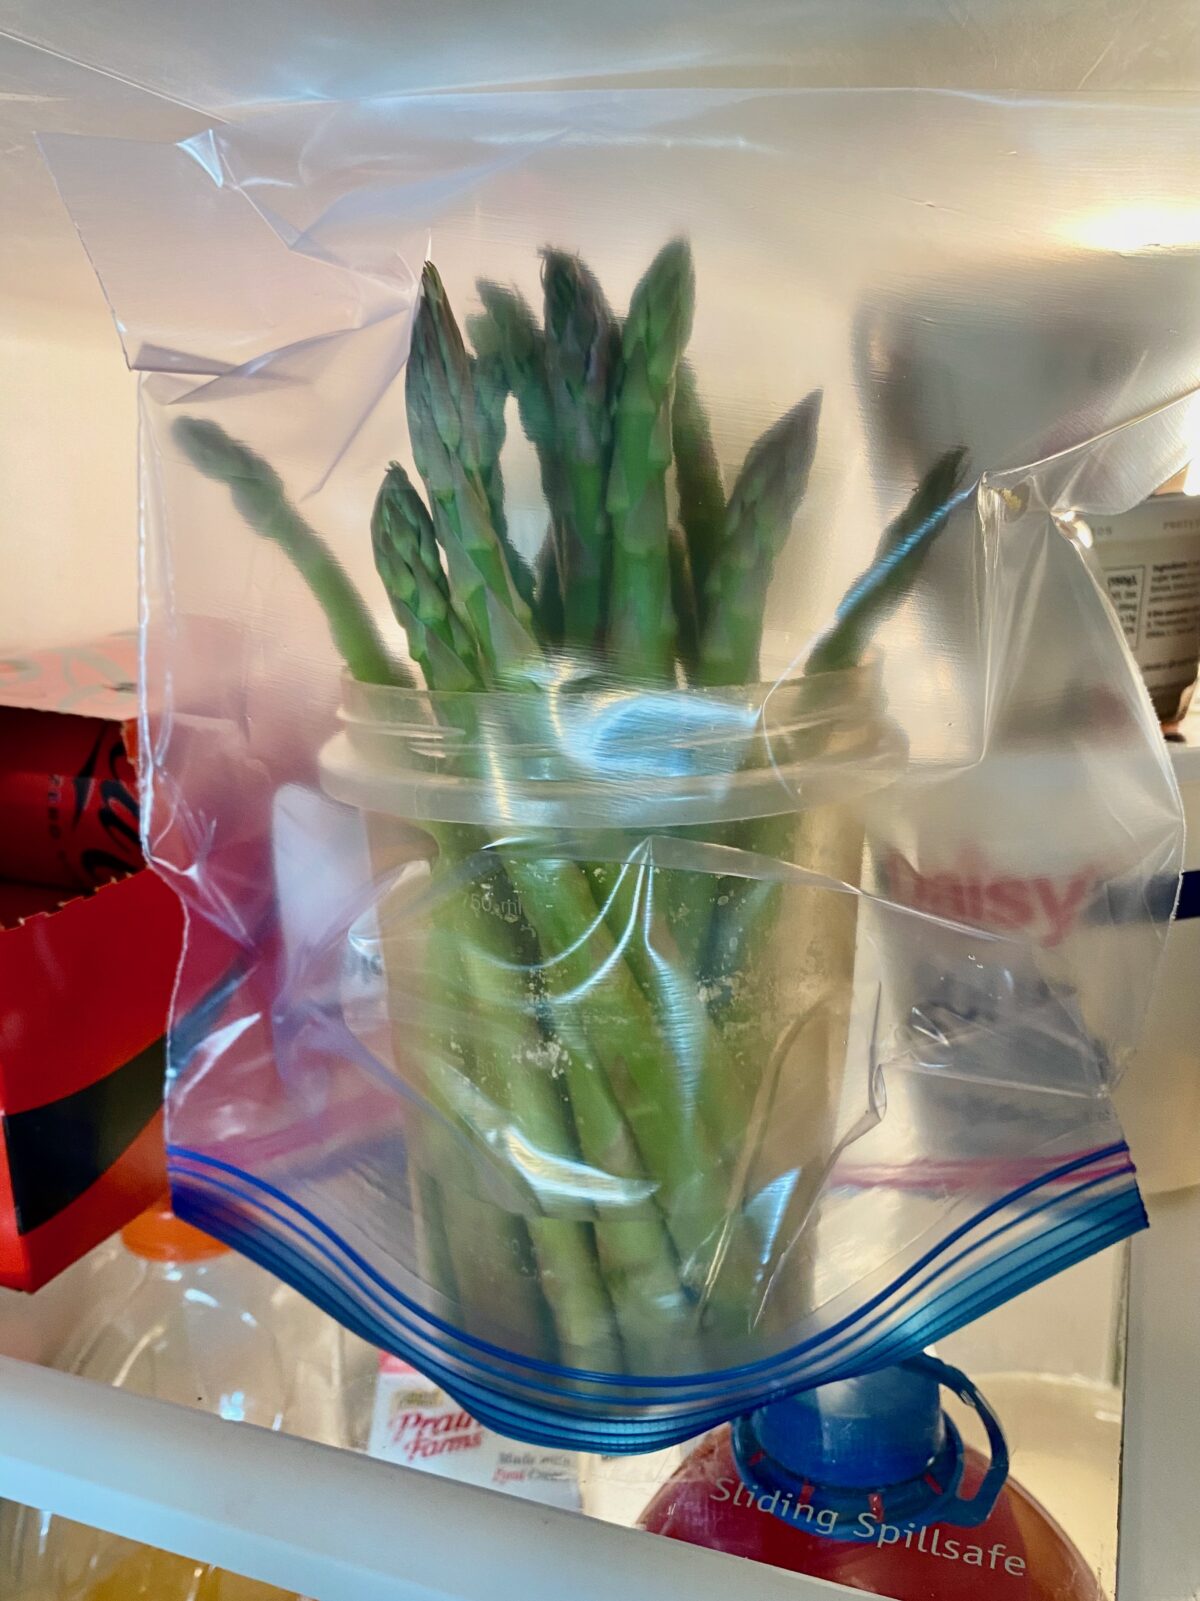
(57, 1151)
(1188, 904)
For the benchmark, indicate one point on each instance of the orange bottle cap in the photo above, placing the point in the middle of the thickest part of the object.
(159, 1236)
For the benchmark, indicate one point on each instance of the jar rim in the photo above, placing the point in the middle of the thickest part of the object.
(611, 755)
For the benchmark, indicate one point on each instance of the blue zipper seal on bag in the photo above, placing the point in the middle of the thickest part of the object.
(326, 1243)
(549, 1405)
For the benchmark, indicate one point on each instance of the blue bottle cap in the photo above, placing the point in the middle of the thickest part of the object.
(880, 1443)
(881, 1428)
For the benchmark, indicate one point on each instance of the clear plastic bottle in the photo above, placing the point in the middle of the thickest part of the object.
(176, 1316)
(868, 1484)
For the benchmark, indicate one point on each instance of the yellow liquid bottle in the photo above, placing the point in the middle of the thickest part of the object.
(176, 1316)
(148, 1575)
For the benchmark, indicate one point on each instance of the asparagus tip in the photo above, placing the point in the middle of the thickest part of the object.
(674, 270)
(219, 456)
(676, 253)
(200, 438)
(561, 273)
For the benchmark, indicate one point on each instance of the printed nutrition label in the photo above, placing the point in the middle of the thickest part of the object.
(1150, 558)
(1158, 605)
(1125, 586)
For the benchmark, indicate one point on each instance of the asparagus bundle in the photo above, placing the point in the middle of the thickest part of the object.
(569, 1012)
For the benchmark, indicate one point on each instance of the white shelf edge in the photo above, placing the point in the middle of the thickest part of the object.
(327, 1524)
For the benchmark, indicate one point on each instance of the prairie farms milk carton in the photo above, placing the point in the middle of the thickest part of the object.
(417, 1424)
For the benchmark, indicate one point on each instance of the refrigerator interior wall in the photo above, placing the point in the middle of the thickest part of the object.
(68, 420)
(68, 464)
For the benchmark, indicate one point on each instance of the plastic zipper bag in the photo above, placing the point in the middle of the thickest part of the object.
(680, 949)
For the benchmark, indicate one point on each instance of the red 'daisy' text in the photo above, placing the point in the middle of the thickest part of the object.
(1042, 905)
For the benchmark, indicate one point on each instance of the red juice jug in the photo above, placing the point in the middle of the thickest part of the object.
(868, 1483)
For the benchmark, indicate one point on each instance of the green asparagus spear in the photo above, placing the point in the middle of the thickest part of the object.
(508, 330)
(745, 908)
(547, 599)
(491, 393)
(582, 344)
(516, 1066)
(641, 624)
(475, 1250)
(698, 479)
(444, 430)
(406, 557)
(758, 519)
(259, 495)
(640, 1285)
(685, 603)
(902, 549)
(478, 944)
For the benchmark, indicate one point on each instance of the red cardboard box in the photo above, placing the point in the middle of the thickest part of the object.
(89, 944)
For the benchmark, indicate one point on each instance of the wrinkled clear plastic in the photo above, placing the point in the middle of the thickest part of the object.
(624, 1049)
